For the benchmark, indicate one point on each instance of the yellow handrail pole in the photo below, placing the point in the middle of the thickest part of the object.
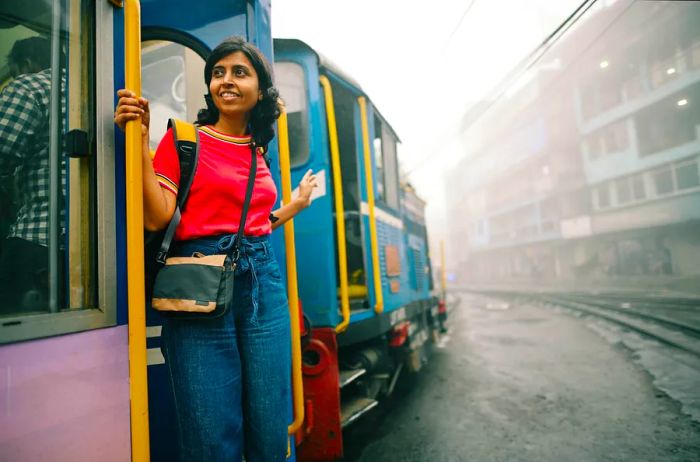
(292, 289)
(138, 386)
(443, 277)
(339, 207)
(379, 307)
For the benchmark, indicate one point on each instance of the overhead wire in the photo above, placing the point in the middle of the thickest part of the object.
(459, 23)
(519, 69)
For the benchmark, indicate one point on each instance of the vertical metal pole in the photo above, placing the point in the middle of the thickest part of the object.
(54, 158)
(339, 208)
(292, 289)
(140, 445)
(378, 295)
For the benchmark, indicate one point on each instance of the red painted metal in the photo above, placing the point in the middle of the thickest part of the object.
(322, 437)
(399, 334)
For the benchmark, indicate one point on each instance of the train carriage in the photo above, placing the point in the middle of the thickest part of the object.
(362, 246)
(76, 353)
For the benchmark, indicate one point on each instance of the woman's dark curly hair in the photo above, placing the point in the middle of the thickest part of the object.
(264, 114)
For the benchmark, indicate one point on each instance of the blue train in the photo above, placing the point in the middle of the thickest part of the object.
(81, 368)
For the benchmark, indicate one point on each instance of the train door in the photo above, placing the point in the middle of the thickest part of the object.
(350, 147)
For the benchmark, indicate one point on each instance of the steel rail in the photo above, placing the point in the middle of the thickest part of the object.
(292, 288)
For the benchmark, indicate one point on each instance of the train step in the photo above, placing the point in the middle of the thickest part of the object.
(354, 409)
(347, 376)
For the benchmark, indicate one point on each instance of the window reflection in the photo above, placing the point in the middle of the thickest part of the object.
(26, 172)
(172, 82)
(47, 206)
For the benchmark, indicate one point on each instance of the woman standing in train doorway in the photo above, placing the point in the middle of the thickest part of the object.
(230, 374)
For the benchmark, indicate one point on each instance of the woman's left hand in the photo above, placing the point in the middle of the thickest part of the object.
(306, 187)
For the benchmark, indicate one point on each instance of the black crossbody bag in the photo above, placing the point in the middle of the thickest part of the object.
(199, 286)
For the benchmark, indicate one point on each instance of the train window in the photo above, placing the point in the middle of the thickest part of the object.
(172, 82)
(378, 159)
(391, 169)
(47, 172)
(384, 144)
(290, 80)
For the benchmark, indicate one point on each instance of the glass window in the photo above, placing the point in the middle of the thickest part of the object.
(378, 159)
(47, 215)
(687, 175)
(638, 187)
(290, 80)
(386, 163)
(391, 168)
(173, 83)
(663, 181)
(622, 188)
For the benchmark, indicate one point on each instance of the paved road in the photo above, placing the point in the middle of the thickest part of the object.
(525, 383)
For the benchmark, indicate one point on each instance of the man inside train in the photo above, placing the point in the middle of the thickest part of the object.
(25, 104)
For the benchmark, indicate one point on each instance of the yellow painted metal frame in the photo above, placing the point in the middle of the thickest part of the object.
(379, 307)
(138, 385)
(339, 207)
(292, 289)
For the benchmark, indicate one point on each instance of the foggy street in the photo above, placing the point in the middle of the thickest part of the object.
(516, 382)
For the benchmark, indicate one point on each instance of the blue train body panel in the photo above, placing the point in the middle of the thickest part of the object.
(316, 239)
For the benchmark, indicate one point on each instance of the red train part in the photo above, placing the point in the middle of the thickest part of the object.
(321, 437)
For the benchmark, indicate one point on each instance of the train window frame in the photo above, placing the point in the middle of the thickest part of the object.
(388, 172)
(304, 151)
(100, 301)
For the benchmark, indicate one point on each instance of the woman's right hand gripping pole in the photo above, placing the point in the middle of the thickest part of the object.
(158, 203)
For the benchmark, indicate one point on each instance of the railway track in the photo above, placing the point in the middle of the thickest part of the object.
(671, 321)
(648, 317)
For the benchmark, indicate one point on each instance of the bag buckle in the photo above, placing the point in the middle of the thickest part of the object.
(160, 258)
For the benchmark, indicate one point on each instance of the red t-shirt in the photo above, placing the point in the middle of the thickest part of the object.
(217, 193)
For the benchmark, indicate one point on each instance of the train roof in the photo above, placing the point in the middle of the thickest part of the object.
(323, 61)
(327, 64)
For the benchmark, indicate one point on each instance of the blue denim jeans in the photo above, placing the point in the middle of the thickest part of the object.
(231, 374)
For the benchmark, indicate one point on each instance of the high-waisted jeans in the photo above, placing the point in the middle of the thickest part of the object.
(231, 374)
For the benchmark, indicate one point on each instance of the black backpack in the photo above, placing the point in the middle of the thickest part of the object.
(156, 244)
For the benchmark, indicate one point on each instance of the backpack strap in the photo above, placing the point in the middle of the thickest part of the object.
(186, 139)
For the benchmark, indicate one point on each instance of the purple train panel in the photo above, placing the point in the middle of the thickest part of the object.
(66, 398)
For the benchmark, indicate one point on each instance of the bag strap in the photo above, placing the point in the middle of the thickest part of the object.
(186, 139)
(246, 203)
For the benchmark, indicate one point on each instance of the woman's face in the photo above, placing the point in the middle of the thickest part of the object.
(234, 85)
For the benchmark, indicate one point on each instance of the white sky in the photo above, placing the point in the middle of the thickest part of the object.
(421, 66)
